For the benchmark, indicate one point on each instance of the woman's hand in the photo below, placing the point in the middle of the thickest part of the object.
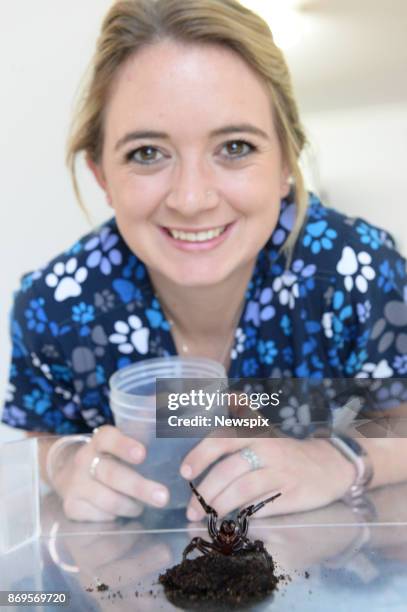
(115, 488)
(309, 474)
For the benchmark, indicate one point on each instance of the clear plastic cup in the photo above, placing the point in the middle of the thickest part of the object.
(133, 404)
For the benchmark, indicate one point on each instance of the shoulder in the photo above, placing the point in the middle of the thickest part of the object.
(326, 229)
(336, 255)
(76, 281)
(349, 248)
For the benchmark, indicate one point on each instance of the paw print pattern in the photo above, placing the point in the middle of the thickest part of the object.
(286, 286)
(130, 336)
(67, 279)
(44, 367)
(375, 370)
(10, 391)
(240, 338)
(296, 418)
(351, 264)
(46, 371)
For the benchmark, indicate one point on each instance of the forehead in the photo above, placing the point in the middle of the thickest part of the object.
(187, 85)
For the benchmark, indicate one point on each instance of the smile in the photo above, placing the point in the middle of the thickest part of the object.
(200, 240)
(200, 236)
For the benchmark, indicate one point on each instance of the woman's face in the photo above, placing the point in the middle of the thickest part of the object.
(208, 127)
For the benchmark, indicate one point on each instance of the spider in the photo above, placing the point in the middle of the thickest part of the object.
(231, 537)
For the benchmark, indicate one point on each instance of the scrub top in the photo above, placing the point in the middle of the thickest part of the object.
(338, 309)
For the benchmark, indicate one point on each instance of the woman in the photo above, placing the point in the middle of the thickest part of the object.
(189, 125)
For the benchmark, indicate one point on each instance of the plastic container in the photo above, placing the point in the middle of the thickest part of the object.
(133, 404)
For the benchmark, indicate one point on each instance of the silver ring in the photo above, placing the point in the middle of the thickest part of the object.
(93, 466)
(251, 457)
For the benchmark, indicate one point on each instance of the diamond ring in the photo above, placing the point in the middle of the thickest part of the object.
(93, 466)
(251, 457)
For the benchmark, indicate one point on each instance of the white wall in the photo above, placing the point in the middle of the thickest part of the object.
(360, 163)
(44, 48)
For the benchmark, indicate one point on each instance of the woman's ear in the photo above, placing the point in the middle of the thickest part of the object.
(285, 184)
(98, 173)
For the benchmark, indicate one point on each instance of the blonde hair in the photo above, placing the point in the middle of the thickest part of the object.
(131, 24)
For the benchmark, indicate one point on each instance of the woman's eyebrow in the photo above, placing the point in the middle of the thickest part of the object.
(227, 129)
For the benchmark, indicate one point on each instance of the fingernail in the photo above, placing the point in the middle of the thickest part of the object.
(192, 514)
(136, 453)
(159, 497)
(186, 471)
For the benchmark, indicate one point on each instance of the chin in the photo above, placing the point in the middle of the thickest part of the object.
(197, 277)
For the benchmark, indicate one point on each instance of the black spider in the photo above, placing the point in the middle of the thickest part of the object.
(231, 537)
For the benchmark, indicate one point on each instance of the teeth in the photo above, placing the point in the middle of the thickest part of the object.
(197, 236)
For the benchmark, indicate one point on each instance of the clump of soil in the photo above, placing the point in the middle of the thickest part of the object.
(100, 586)
(217, 582)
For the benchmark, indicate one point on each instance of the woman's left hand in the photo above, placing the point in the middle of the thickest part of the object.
(309, 473)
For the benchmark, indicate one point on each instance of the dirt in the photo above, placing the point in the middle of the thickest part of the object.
(218, 582)
(102, 587)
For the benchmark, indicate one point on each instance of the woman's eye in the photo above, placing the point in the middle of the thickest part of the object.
(238, 148)
(147, 155)
(143, 155)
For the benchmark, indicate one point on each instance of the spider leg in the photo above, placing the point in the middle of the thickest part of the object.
(213, 515)
(208, 509)
(263, 503)
(255, 507)
(246, 512)
(198, 543)
(212, 529)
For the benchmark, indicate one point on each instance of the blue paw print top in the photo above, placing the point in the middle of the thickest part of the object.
(339, 309)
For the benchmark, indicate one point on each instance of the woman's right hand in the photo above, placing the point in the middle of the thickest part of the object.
(115, 488)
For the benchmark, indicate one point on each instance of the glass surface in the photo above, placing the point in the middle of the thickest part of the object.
(333, 558)
(19, 495)
(351, 567)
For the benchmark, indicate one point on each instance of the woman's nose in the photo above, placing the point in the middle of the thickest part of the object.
(192, 192)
